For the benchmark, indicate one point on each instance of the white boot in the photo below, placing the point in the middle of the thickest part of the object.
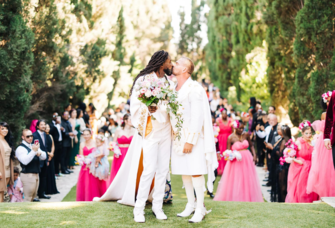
(139, 215)
(159, 213)
(190, 206)
(188, 211)
(200, 211)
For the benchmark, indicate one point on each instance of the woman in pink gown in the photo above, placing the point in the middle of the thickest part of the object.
(88, 186)
(123, 137)
(226, 129)
(299, 169)
(321, 179)
(239, 181)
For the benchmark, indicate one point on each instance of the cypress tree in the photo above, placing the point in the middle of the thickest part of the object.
(16, 41)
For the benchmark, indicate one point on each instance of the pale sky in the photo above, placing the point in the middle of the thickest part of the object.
(174, 6)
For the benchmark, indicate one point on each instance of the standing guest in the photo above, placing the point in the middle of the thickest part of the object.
(6, 159)
(74, 140)
(15, 191)
(123, 137)
(272, 110)
(29, 156)
(86, 117)
(321, 179)
(93, 118)
(82, 124)
(111, 128)
(252, 103)
(66, 135)
(257, 120)
(45, 144)
(56, 133)
(239, 181)
(214, 103)
(300, 167)
(88, 185)
(51, 187)
(33, 125)
(226, 129)
(68, 108)
(329, 131)
(261, 126)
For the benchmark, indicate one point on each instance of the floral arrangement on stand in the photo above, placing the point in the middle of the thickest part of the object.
(289, 152)
(231, 155)
(151, 91)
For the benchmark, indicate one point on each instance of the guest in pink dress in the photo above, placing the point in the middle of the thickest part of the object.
(88, 186)
(226, 129)
(122, 137)
(15, 191)
(300, 168)
(239, 181)
(321, 179)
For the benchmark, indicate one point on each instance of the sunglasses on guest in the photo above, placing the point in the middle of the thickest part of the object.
(29, 136)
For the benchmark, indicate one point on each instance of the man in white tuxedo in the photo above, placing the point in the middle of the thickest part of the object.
(153, 124)
(194, 155)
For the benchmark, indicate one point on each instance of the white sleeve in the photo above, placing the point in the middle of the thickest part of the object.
(23, 156)
(135, 107)
(261, 134)
(43, 155)
(197, 116)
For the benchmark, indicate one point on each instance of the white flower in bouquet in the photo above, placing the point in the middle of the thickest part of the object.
(148, 93)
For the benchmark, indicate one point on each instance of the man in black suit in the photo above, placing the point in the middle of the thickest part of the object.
(257, 121)
(45, 142)
(66, 134)
(56, 132)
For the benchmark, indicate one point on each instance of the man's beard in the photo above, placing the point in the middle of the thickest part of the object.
(168, 71)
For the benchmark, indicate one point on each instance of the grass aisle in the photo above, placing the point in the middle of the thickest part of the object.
(112, 214)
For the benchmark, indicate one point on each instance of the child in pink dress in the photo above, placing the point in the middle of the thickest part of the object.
(299, 169)
(15, 191)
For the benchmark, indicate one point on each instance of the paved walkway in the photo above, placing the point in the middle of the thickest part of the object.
(261, 176)
(64, 185)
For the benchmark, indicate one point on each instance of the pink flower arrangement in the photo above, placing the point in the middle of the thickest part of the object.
(216, 131)
(236, 124)
(304, 124)
(289, 152)
(326, 95)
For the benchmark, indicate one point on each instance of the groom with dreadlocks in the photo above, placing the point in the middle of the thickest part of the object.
(153, 124)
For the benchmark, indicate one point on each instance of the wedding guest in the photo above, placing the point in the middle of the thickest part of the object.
(15, 191)
(33, 125)
(93, 118)
(123, 137)
(300, 167)
(66, 135)
(68, 108)
(239, 181)
(51, 187)
(261, 126)
(272, 110)
(56, 133)
(88, 186)
(74, 140)
(282, 171)
(29, 156)
(45, 144)
(6, 159)
(226, 128)
(82, 124)
(86, 117)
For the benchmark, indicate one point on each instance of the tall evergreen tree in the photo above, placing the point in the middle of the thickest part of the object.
(16, 41)
(314, 53)
(119, 52)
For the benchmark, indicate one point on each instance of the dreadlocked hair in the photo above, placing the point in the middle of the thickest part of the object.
(156, 61)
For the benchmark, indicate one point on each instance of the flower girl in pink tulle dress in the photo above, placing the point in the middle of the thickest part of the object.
(239, 181)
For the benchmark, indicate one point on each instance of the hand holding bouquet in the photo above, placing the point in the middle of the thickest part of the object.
(231, 155)
(114, 148)
(289, 152)
(151, 91)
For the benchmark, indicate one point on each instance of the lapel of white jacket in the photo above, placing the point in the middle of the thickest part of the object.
(184, 90)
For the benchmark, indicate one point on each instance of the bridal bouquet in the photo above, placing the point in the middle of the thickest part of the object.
(231, 155)
(114, 148)
(289, 152)
(82, 160)
(150, 91)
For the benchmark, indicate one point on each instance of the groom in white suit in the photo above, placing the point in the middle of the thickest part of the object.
(194, 155)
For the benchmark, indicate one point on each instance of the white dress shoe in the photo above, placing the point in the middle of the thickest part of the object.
(139, 216)
(198, 216)
(189, 209)
(159, 213)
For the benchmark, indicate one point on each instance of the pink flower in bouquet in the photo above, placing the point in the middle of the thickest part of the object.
(281, 160)
(148, 93)
(143, 90)
(155, 92)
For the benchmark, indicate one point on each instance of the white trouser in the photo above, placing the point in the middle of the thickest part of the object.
(156, 158)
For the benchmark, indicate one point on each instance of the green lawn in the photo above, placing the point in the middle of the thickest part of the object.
(112, 214)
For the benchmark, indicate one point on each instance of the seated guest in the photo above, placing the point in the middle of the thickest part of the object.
(29, 156)
(15, 191)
